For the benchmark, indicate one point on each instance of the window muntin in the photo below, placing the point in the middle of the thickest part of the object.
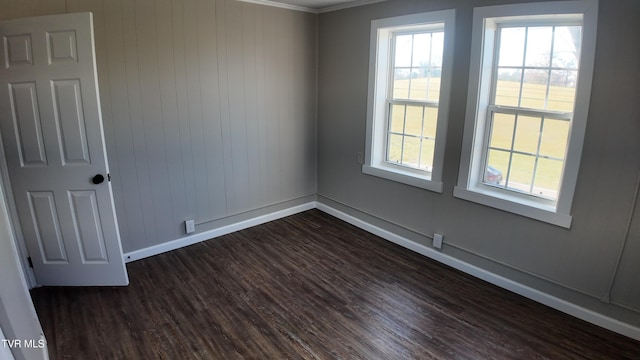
(413, 98)
(532, 101)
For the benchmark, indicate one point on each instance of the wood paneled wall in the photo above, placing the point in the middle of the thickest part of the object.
(208, 107)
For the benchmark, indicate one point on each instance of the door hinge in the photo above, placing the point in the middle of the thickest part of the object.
(30, 262)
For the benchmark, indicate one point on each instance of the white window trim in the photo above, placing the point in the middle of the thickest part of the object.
(375, 165)
(469, 186)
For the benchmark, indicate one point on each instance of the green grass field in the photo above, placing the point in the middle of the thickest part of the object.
(524, 134)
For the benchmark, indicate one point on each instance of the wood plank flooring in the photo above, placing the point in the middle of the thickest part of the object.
(309, 287)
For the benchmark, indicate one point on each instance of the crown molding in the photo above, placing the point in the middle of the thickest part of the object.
(282, 5)
(312, 10)
(348, 5)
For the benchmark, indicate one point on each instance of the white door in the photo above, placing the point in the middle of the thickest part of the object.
(51, 128)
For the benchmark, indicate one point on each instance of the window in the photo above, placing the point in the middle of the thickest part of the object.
(531, 68)
(409, 82)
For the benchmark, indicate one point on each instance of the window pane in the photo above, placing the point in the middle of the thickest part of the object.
(394, 152)
(430, 122)
(426, 157)
(527, 134)
(435, 74)
(555, 134)
(397, 119)
(562, 92)
(401, 83)
(548, 176)
(539, 46)
(521, 172)
(437, 49)
(508, 87)
(411, 151)
(502, 131)
(421, 50)
(419, 84)
(566, 46)
(497, 165)
(403, 51)
(511, 46)
(414, 121)
(534, 89)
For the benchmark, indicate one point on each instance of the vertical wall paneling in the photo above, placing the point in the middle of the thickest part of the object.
(224, 113)
(211, 108)
(168, 98)
(251, 95)
(12, 9)
(141, 151)
(126, 194)
(152, 116)
(194, 102)
(271, 134)
(186, 159)
(285, 109)
(237, 105)
(261, 116)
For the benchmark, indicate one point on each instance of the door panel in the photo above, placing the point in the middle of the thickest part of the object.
(44, 217)
(26, 119)
(62, 46)
(18, 50)
(88, 230)
(52, 133)
(70, 121)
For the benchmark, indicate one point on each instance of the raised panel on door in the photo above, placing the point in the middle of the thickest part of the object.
(46, 223)
(86, 221)
(70, 121)
(18, 50)
(61, 47)
(26, 120)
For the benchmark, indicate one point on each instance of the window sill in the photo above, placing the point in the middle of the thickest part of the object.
(404, 177)
(531, 210)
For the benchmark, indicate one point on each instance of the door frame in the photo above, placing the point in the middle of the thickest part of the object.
(18, 315)
(12, 212)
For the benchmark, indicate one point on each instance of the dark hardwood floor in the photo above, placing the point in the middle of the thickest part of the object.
(309, 287)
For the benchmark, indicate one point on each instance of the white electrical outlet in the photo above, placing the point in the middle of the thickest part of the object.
(437, 241)
(190, 226)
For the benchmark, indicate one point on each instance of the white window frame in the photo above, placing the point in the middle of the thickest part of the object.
(382, 31)
(470, 186)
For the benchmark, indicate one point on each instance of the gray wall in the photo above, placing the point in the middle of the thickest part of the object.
(577, 265)
(209, 108)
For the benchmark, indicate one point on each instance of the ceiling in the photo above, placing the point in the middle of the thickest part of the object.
(314, 5)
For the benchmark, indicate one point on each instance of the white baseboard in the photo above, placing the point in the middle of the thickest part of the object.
(193, 239)
(533, 294)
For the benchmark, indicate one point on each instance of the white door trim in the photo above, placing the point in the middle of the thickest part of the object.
(18, 317)
(14, 225)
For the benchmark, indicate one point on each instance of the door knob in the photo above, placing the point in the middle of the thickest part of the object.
(98, 179)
